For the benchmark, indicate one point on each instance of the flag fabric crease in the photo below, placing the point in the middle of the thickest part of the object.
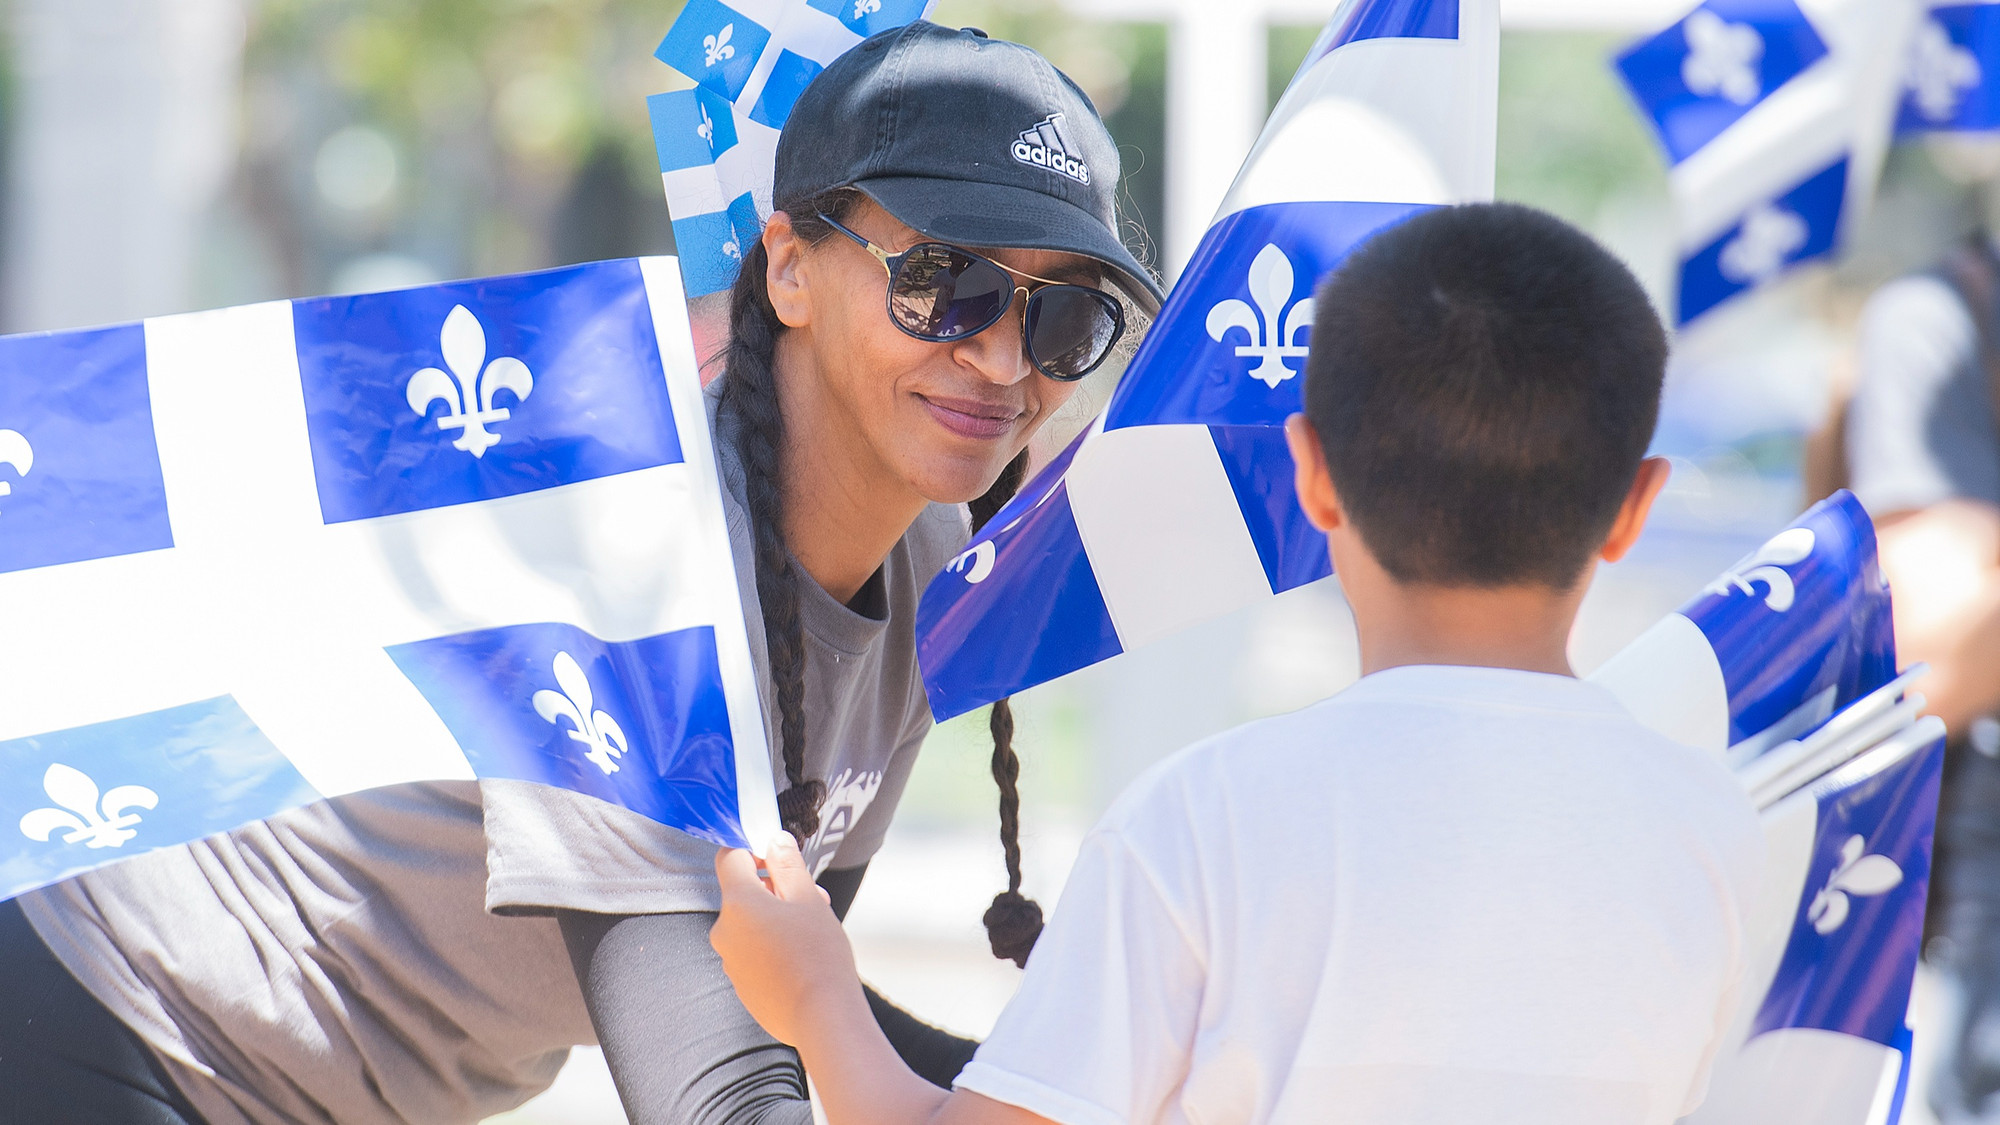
(257, 557)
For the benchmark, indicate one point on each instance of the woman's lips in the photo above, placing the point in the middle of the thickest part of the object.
(978, 420)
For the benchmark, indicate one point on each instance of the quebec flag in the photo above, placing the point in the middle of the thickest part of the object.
(1176, 506)
(257, 557)
(1786, 666)
(1949, 84)
(1775, 116)
(749, 61)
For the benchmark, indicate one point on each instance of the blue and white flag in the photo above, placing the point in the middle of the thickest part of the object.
(1176, 506)
(1701, 75)
(261, 556)
(1834, 940)
(1786, 665)
(1775, 116)
(1796, 631)
(749, 61)
(1952, 82)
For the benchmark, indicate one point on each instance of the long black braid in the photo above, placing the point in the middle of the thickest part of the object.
(1014, 921)
(750, 394)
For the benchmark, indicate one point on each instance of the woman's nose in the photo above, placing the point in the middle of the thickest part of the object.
(999, 352)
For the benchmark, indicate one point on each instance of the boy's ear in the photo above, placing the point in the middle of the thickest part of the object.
(784, 275)
(1309, 475)
(1652, 476)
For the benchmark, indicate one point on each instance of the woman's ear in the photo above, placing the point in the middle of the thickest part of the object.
(1310, 478)
(784, 271)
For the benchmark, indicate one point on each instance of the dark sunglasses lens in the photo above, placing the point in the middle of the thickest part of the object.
(1071, 329)
(942, 294)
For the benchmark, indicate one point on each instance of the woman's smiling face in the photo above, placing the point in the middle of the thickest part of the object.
(943, 418)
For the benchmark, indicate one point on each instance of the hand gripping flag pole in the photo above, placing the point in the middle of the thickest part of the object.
(1176, 505)
(256, 557)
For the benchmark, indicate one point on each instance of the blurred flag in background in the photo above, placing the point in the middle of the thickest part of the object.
(1774, 116)
(1953, 79)
(749, 61)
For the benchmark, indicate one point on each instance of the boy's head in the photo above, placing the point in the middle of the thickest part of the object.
(1483, 382)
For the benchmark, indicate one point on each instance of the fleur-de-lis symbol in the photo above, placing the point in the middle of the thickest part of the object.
(595, 729)
(976, 563)
(104, 823)
(715, 48)
(705, 130)
(1270, 286)
(1722, 58)
(468, 392)
(1940, 72)
(1770, 236)
(731, 250)
(16, 452)
(866, 7)
(1856, 874)
(1766, 564)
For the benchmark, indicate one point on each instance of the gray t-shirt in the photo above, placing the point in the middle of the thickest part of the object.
(1921, 429)
(389, 957)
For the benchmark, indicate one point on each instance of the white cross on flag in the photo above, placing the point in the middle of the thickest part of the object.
(256, 557)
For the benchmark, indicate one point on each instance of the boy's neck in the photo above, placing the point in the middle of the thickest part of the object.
(1506, 627)
(1525, 627)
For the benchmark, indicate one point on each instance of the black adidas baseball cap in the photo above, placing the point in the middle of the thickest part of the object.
(966, 139)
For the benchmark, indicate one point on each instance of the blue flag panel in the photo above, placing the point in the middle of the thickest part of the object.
(1386, 19)
(1260, 469)
(1243, 316)
(866, 17)
(1046, 637)
(481, 389)
(1860, 922)
(77, 798)
(715, 45)
(1701, 75)
(788, 79)
(1800, 224)
(641, 723)
(712, 244)
(690, 128)
(1806, 612)
(79, 466)
(1949, 81)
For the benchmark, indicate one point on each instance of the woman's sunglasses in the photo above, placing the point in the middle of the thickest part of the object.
(941, 293)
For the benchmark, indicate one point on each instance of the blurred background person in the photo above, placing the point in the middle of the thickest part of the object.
(1922, 451)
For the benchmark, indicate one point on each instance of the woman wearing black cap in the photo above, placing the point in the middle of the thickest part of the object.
(942, 264)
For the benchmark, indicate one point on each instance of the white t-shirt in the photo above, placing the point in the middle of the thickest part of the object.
(1445, 895)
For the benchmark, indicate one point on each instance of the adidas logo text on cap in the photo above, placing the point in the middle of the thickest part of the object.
(1044, 147)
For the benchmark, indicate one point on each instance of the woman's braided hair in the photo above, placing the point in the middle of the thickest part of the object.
(750, 396)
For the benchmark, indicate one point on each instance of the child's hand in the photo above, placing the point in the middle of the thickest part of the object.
(780, 943)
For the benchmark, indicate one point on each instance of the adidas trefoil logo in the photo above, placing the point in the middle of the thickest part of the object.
(1044, 146)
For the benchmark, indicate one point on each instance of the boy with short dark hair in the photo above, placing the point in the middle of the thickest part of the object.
(1470, 887)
